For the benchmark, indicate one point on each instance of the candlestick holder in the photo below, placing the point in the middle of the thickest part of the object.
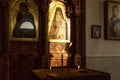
(69, 56)
(62, 60)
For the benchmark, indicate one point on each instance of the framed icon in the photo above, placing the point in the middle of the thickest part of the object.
(23, 20)
(58, 23)
(112, 20)
(96, 31)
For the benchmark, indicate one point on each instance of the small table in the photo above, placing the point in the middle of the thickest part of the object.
(72, 74)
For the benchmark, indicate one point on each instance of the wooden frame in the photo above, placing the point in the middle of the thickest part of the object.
(112, 20)
(23, 28)
(96, 31)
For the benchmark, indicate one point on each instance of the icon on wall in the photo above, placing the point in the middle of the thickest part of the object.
(58, 28)
(96, 31)
(58, 23)
(112, 20)
(23, 21)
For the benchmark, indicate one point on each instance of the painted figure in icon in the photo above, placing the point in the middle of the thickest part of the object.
(96, 32)
(114, 23)
(58, 28)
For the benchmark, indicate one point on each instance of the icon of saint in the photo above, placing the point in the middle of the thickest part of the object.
(25, 25)
(58, 28)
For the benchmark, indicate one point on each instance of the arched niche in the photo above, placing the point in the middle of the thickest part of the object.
(23, 20)
(76, 21)
(58, 33)
(20, 47)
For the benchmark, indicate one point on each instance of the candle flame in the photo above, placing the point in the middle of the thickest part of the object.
(50, 67)
(70, 44)
(78, 66)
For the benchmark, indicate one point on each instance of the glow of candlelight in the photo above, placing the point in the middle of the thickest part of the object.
(70, 44)
(50, 67)
(63, 51)
(78, 66)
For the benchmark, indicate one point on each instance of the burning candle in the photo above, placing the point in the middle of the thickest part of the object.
(50, 67)
(78, 66)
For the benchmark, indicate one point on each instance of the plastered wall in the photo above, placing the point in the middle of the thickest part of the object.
(103, 55)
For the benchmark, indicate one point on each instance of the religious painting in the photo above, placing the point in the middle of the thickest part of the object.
(23, 20)
(58, 25)
(57, 47)
(59, 54)
(112, 20)
(95, 31)
(58, 33)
